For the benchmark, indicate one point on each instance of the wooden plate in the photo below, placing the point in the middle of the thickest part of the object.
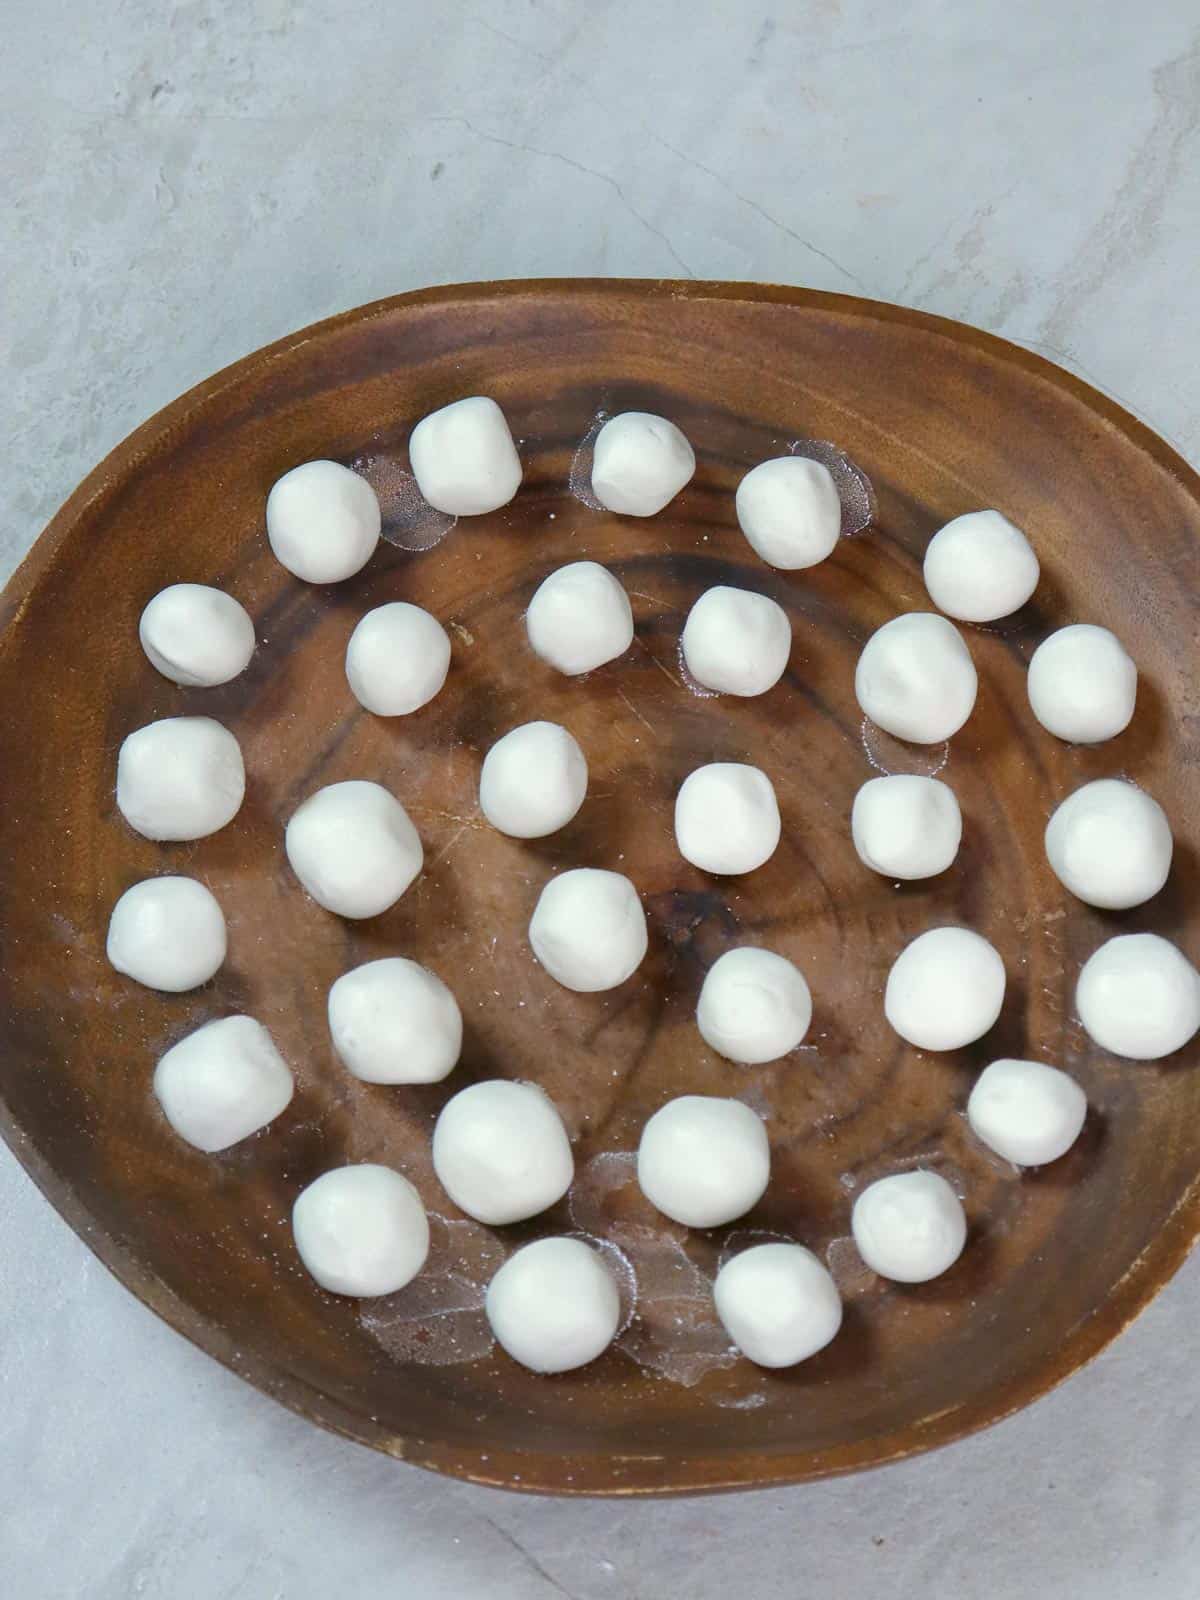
(941, 419)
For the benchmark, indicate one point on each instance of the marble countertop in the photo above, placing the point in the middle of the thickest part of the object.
(186, 183)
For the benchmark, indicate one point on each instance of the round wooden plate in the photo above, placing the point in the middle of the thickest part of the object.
(941, 419)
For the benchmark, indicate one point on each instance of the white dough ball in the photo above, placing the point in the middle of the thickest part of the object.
(196, 636)
(222, 1083)
(754, 1006)
(464, 459)
(1082, 684)
(980, 567)
(1110, 844)
(579, 618)
(554, 1305)
(703, 1160)
(1026, 1112)
(533, 780)
(588, 929)
(945, 989)
(909, 1227)
(905, 826)
(323, 521)
(789, 511)
(180, 778)
(397, 659)
(640, 463)
(736, 642)
(501, 1152)
(168, 933)
(727, 818)
(1139, 996)
(778, 1303)
(915, 678)
(361, 1230)
(393, 1021)
(353, 848)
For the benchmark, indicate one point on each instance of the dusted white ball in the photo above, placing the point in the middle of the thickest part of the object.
(704, 1161)
(640, 463)
(180, 778)
(464, 459)
(533, 780)
(727, 818)
(736, 642)
(554, 1305)
(1139, 996)
(1026, 1112)
(945, 989)
(353, 848)
(501, 1152)
(168, 933)
(909, 1227)
(323, 521)
(754, 1006)
(1110, 844)
(915, 678)
(980, 567)
(1082, 684)
(393, 1021)
(361, 1230)
(579, 618)
(588, 929)
(789, 511)
(222, 1083)
(778, 1303)
(196, 636)
(905, 826)
(397, 659)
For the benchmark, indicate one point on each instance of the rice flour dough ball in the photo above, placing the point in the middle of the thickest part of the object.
(180, 778)
(222, 1083)
(727, 818)
(353, 848)
(778, 1303)
(1027, 1112)
(533, 780)
(196, 636)
(945, 989)
(553, 1305)
(915, 678)
(323, 521)
(640, 463)
(754, 1006)
(1110, 844)
(1082, 684)
(393, 1021)
(397, 659)
(790, 512)
(736, 642)
(588, 929)
(703, 1160)
(464, 459)
(361, 1230)
(905, 826)
(909, 1227)
(980, 567)
(168, 933)
(579, 618)
(1139, 996)
(501, 1152)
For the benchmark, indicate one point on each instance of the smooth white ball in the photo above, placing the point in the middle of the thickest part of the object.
(736, 642)
(703, 1160)
(778, 1303)
(640, 463)
(915, 678)
(980, 567)
(464, 459)
(393, 1021)
(533, 780)
(906, 827)
(397, 659)
(909, 1227)
(361, 1230)
(1026, 1112)
(196, 636)
(727, 818)
(353, 848)
(1110, 844)
(180, 778)
(222, 1083)
(579, 618)
(1139, 996)
(588, 929)
(553, 1305)
(323, 521)
(168, 933)
(789, 511)
(501, 1152)
(754, 1006)
(1082, 684)
(945, 989)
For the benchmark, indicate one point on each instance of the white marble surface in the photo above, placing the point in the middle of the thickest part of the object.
(186, 183)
